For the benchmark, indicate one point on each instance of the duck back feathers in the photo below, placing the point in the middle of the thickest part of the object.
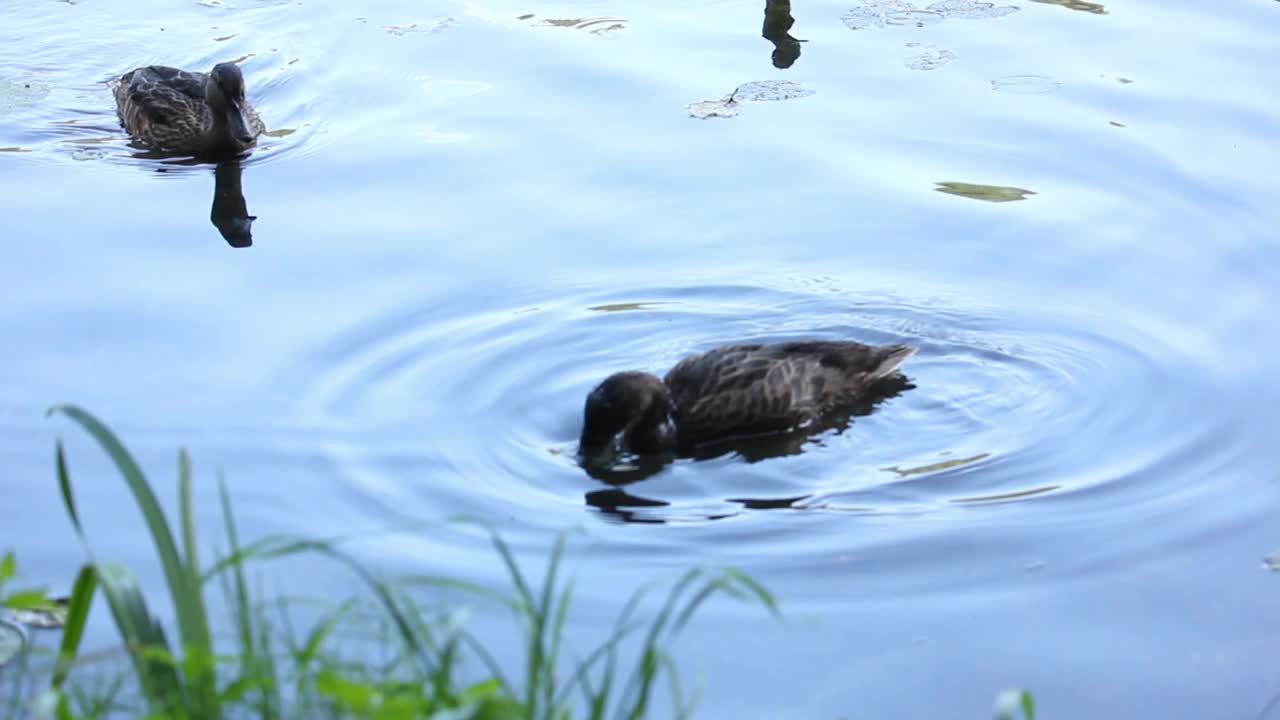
(748, 389)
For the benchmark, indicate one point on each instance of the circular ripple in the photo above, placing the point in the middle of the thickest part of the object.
(485, 407)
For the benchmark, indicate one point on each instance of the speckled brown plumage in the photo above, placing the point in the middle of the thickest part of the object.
(187, 112)
(734, 390)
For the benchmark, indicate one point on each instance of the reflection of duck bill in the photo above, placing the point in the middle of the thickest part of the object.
(238, 232)
(230, 214)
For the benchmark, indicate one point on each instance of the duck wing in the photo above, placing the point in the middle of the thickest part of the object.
(159, 95)
(745, 389)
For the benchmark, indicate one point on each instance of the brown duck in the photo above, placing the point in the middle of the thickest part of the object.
(733, 391)
(204, 114)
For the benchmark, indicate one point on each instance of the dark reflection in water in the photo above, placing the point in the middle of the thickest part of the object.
(229, 213)
(777, 27)
(618, 503)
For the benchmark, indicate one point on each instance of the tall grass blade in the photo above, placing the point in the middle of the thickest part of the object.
(152, 660)
(191, 625)
(198, 647)
(82, 593)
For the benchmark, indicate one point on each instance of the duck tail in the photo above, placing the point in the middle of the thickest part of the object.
(888, 360)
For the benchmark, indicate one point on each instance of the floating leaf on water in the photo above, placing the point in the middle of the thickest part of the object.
(624, 306)
(1272, 562)
(20, 94)
(1080, 5)
(1025, 84)
(971, 9)
(723, 108)
(884, 13)
(930, 59)
(15, 150)
(935, 467)
(280, 132)
(13, 640)
(1113, 123)
(770, 91)
(1124, 80)
(990, 193)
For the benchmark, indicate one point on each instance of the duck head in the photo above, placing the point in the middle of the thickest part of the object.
(635, 405)
(225, 95)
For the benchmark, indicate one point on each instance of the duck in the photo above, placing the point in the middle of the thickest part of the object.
(204, 114)
(732, 391)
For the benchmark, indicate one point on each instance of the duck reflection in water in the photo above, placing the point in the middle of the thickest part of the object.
(230, 214)
(777, 30)
(759, 401)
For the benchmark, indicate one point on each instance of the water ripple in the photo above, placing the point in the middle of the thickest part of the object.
(1005, 408)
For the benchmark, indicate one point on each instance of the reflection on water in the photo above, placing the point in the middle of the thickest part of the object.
(229, 213)
(777, 30)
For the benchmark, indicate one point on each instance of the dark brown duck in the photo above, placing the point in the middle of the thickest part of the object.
(733, 391)
(204, 114)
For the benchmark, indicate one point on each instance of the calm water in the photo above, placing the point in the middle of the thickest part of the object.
(470, 212)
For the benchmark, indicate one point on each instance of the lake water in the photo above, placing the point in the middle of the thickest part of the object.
(468, 213)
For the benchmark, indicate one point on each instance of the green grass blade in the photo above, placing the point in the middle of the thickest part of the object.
(160, 681)
(153, 514)
(8, 566)
(198, 644)
(82, 593)
(68, 497)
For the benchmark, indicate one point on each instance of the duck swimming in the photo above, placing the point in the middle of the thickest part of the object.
(732, 391)
(204, 114)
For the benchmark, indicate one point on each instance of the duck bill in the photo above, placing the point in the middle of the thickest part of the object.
(238, 123)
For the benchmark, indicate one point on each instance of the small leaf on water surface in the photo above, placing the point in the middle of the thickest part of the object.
(624, 306)
(12, 641)
(725, 108)
(17, 95)
(755, 91)
(971, 9)
(990, 193)
(886, 13)
(770, 91)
